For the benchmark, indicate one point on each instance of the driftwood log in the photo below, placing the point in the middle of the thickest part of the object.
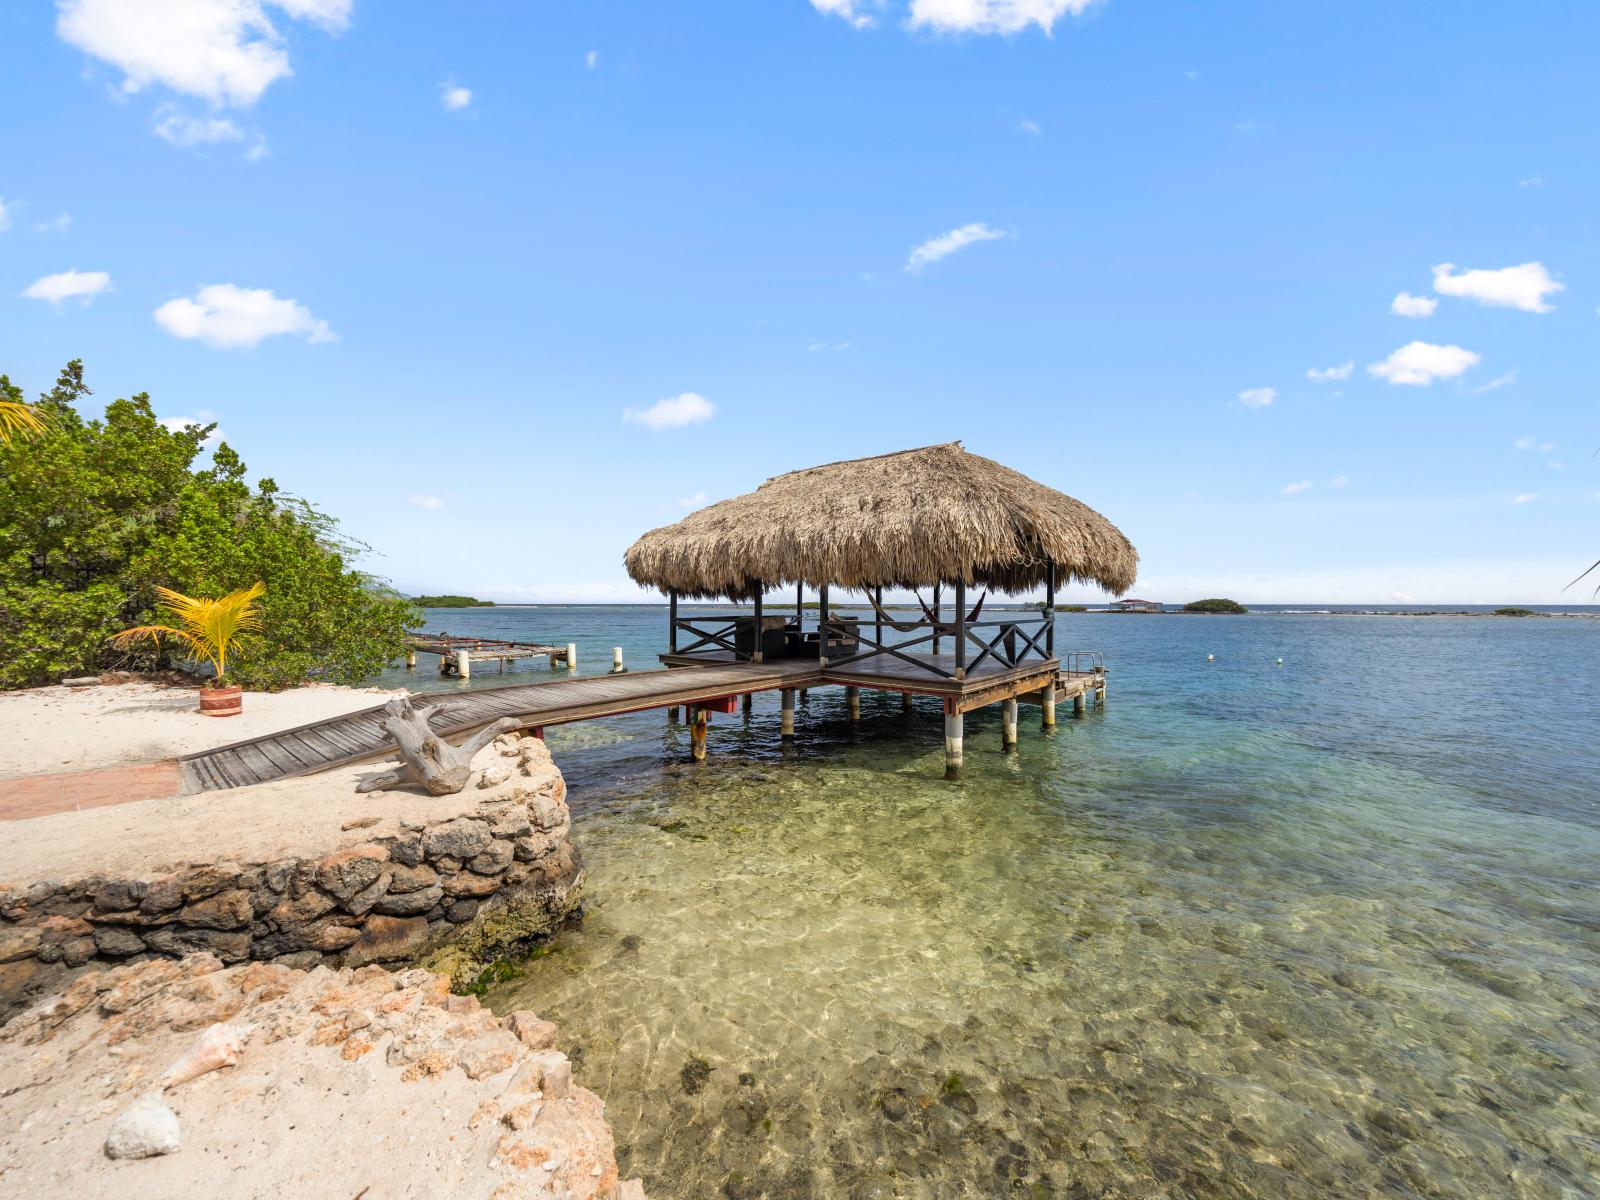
(425, 757)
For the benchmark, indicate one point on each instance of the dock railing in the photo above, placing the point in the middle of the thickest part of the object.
(1010, 641)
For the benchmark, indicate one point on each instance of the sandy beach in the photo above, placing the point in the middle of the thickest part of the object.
(52, 729)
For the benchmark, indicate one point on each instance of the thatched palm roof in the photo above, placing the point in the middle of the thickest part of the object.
(904, 520)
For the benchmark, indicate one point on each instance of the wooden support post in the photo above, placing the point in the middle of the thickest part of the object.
(697, 734)
(1079, 705)
(905, 701)
(937, 602)
(572, 656)
(672, 714)
(411, 660)
(822, 627)
(878, 615)
(672, 620)
(464, 663)
(747, 702)
(952, 742)
(1100, 695)
(755, 642)
(961, 629)
(1008, 725)
(852, 697)
(1050, 614)
(1047, 704)
(787, 700)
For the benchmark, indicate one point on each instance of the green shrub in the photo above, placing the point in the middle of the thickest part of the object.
(95, 514)
(1215, 605)
(1515, 612)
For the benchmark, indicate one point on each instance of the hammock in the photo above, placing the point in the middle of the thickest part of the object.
(897, 626)
(949, 626)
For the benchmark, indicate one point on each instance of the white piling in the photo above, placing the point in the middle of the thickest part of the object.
(411, 660)
(1008, 724)
(616, 661)
(952, 745)
(788, 712)
(1047, 704)
(464, 664)
(572, 656)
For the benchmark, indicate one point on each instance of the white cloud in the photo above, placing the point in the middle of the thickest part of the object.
(180, 129)
(59, 223)
(990, 16)
(1533, 181)
(1294, 489)
(179, 424)
(1498, 382)
(695, 501)
(674, 412)
(69, 285)
(1258, 397)
(1523, 287)
(453, 97)
(1338, 481)
(5, 215)
(591, 60)
(1532, 443)
(1327, 374)
(227, 316)
(816, 347)
(1420, 363)
(225, 51)
(946, 244)
(1028, 125)
(423, 500)
(1525, 497)
(849, 11)
(1407, 305)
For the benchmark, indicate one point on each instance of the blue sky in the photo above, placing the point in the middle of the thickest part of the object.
(435, 267)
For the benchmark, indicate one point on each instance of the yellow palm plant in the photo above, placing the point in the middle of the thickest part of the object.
(208, 628)
(19, 420)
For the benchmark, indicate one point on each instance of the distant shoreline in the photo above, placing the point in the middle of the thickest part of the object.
(1483, 611)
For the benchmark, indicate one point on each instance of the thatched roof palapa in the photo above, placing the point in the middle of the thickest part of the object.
(905, 520)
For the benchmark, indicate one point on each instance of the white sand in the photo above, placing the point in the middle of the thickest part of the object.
(287, 818)
(52, 729)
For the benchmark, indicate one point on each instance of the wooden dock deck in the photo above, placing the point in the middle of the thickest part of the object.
(358, 737)
(457, 654)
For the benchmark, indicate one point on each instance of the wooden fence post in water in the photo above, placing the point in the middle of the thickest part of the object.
(952, 742)
(697, 734)
(905, 701)
(1008, 725)
(788, 712)
(1047, 705)
(852, 696)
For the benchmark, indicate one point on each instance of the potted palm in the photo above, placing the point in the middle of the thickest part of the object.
(207, 629)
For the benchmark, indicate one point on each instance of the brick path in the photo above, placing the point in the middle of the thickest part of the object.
(41, 795)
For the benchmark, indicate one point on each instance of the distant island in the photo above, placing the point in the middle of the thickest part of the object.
(450, 602)
(1214, 605)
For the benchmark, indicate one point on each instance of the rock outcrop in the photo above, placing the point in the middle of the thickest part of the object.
(347, 1083)
(500, 871)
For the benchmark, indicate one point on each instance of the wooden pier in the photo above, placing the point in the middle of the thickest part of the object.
(457, 654)
(701, 689)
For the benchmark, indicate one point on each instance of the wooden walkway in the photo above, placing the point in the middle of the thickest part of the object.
(357, 737)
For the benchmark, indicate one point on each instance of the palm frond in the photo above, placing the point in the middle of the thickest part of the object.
(209, 628)
(18, 420)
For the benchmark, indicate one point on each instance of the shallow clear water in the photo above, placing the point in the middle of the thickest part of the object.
(1329, 928)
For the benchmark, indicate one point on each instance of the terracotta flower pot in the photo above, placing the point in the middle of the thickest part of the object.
(222, 702)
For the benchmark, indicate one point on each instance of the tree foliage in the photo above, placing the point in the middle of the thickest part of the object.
(1214, 605)
(96, 514)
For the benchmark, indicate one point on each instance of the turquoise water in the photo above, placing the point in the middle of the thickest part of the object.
(1329, 928)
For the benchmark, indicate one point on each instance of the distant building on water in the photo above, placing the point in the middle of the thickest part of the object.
(1136, 606)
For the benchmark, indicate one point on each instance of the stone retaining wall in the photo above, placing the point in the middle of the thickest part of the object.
(504, 871)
